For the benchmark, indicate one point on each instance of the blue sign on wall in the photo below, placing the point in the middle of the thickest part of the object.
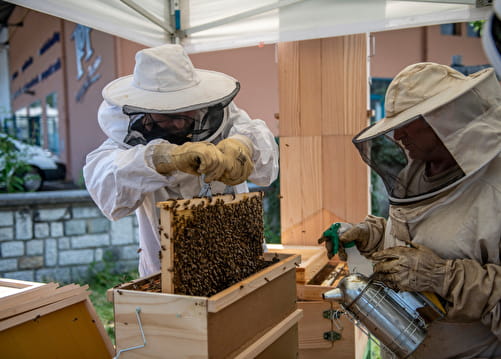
(45, 74)
(49, 43)
(84, 52)
(83, 47)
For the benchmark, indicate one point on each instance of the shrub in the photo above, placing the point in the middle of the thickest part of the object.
(13, 166)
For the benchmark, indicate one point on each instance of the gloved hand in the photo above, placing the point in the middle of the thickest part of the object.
(237, 157)
(347, 235)
(195, 158)
(409, 269)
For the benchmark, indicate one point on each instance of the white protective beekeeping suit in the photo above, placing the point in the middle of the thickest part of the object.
(122, 178)
(455, 213)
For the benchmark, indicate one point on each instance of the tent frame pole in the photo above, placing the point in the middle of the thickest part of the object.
(149, 16)
(239, 16)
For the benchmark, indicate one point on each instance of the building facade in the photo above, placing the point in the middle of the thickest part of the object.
(57, 69)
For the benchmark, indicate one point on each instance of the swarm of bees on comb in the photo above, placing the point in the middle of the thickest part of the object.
(216, 244)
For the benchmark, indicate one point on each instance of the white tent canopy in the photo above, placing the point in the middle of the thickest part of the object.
(223, 24)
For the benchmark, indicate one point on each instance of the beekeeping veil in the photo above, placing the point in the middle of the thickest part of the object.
(464, 112)
(165, 82)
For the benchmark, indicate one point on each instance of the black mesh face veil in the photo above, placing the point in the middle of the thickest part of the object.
(385, 156)
(209, 124)
(403, 163)
(143, 128)
(202, 123)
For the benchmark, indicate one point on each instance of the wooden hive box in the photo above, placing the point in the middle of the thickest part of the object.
(320, 335)
(46, 321)
(255, 317)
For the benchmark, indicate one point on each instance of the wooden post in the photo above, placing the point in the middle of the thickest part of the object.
(323, 86)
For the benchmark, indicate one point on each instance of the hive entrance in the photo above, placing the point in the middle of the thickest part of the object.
(209, 244)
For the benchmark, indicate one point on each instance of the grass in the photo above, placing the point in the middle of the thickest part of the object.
(103, 276)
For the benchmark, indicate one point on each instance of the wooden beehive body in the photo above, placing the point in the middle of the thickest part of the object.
(47, 321)
(316, 275)
(254, 317)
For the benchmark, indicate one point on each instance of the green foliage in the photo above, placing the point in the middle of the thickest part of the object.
(477, 26)
(102, 276)
(379, 197)
(13, 166)
(272, 211)
(80, 183)
(390, 159)
(372, 349)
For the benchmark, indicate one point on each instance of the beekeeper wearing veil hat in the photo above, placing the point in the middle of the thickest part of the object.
(167, 125)
(443, 179)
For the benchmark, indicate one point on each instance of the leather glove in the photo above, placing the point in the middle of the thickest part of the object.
(195, 158)
(237, 157)
(347, 235)
(409, 269)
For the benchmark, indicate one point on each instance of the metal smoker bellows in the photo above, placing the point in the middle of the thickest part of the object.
(397, 320)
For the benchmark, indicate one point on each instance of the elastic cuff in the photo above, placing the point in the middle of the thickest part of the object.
(148, 154)
(246, 141)
(160, 161)
(376, 228)
(447, 278)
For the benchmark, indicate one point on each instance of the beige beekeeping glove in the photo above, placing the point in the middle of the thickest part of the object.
(358, 233)
(237, 157)
(409, 269)
(195, 158)
(472, 290)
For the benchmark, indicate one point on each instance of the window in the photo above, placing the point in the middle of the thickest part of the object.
(451, 29)
(21, 127)
(35, 124)
(27, 124)
(378, 92)
(473, 29)
(52, 115)
(9, 126)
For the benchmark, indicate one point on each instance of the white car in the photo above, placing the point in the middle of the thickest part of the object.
(43, 164)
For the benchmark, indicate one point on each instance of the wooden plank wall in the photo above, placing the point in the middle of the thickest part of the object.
(323, 87)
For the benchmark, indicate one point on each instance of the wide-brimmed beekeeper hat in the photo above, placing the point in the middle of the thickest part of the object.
(419, 89)
(463, 113)
(165, 80)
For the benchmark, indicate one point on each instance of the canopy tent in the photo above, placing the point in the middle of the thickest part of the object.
(202, 25)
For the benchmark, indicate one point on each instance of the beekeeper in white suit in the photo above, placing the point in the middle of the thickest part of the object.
(168, 124)
(443, 234)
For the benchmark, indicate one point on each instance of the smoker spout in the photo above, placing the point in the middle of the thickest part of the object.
(333, 295)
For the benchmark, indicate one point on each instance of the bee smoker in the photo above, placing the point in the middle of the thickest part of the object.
(398, 320)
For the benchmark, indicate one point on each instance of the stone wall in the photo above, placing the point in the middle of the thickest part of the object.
(56, 235)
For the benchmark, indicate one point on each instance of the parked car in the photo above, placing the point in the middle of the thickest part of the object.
(43, 165)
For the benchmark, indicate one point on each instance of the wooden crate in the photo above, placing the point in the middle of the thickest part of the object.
(46, 321)
(313, 259)
(255, 318)
(314, 276)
